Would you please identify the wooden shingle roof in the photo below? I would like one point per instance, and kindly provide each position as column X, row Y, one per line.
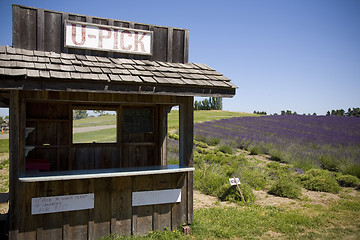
column 39, row 70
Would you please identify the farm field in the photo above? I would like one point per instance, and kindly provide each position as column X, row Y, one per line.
column 110, row 120
column 332, row 143
column 284, row 198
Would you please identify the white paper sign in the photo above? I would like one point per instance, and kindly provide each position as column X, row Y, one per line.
column 107, row 38
column 156, row 197
column 62, row 203
column 232, row 181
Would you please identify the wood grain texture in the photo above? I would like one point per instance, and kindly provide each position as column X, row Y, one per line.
column 51, row 114
column 39, row 29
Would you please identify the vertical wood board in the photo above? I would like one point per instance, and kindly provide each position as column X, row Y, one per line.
column 39, row 29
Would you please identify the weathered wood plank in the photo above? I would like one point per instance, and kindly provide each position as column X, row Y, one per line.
column 178, row 46
column 53, row 222
column 28, row 223
column 142, row 215
column 162, row 212
column 178, row 212
column 78, row 220
column 190, row 197
column 40, row 192
column 52, row 32
column 40, row 29
column 91, row 227
column 186, row 123
column 186, row 46
column 15, row 151
column 121, row 210
column 24, row 29
column 102, row 209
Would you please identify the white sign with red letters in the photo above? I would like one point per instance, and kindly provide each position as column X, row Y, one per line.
column 107, row 38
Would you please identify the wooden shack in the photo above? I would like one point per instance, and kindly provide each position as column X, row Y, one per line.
column 65, row 190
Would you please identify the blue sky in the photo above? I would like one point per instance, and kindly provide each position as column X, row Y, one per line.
column 302, row 56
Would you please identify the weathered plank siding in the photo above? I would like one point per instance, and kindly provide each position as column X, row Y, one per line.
column 50, row 114
column 112, row 213
column 39, row 29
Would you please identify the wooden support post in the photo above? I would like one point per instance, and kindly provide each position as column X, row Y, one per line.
column 186, row 123
column 186, row 144
column 16, row 147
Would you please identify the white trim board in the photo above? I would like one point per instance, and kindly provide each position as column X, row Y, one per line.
column 156, row 197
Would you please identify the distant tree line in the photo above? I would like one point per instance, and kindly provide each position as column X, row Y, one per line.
column 260, row 113
column 213, row 103
column 355, row 112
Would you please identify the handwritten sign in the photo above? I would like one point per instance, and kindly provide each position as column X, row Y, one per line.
column 107, row 38
column 138, row 120
column 62, row 203
column 232, row 181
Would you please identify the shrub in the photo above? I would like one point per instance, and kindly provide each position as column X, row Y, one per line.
column 320, row 180
column 213, row 141
column 328, row 163
column 173, row 136
column 231, row 193
column 200, row 144
column 277, row 170
column 226, row 149
column 254, row 150
column 256, row 177
column 347, row 180
column 275, row 154
column 285, row 187
column 322, row 184
column 352, row 169
column 209, row 179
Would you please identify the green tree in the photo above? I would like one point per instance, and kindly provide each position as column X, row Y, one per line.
column 79, row 114
column 213, row 103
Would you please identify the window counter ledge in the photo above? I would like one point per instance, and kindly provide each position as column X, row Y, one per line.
column 103, row 173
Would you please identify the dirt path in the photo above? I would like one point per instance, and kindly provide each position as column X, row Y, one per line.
column 92, row 128
column 4, row 136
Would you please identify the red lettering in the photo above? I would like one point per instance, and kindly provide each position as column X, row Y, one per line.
column 83, row 32
column 122, row 40
column 139, row 41
column 116, row 33
column 101, row 36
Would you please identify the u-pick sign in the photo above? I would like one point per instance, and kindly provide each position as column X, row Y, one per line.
column 107, row 38
column 232, row 181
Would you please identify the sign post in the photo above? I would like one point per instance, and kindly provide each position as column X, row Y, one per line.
column 235, row 181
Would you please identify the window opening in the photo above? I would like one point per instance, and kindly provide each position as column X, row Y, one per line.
column 94, row 126
column 173, row 136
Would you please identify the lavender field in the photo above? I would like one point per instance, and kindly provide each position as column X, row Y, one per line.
column 331, row 143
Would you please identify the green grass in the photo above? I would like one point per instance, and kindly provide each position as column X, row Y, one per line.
column 203, row 116
column 257, row 222
column 101, row 136
column 173, row 118
column 4, row 145
column 95, row 121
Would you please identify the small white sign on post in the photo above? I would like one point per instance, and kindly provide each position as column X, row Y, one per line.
column 232, row 181
column 62, row 203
